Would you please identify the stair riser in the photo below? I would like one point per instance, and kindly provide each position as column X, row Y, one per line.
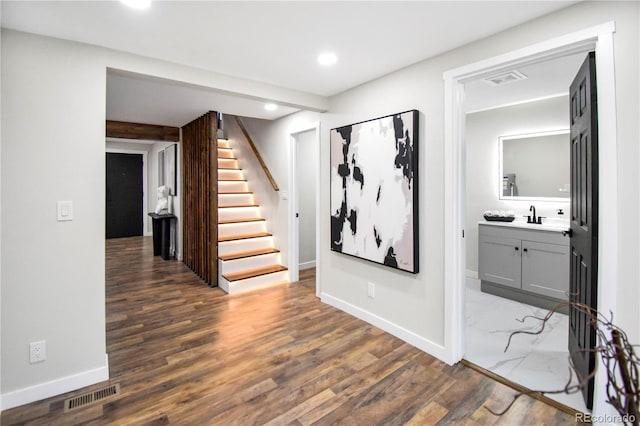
column 223, row 144
column 253, row 283
column 233, row 187
column 225, row 153
column 228, row 266
column 225, row 247
column 224, row 163
column 225, row 229
column 235, row 199
column 230, row 174
column 238, row 213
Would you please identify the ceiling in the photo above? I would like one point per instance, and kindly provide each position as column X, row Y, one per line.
column 141, row 99
column 544, row 79
column 270, row 42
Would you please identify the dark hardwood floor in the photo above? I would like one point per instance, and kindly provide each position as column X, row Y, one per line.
column 184, row 353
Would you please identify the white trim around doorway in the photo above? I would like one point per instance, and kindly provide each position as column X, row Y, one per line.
column 294, row 249
column 600, row 39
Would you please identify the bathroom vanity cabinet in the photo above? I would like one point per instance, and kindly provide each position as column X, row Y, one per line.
column 524, row 262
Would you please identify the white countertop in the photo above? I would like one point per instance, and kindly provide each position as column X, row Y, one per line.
column 548, row 224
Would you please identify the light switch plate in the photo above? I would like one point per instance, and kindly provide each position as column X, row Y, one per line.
column 65, row 210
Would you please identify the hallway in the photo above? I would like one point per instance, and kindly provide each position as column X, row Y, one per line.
column 184, row 353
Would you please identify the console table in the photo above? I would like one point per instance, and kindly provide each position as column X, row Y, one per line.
column 162, row 234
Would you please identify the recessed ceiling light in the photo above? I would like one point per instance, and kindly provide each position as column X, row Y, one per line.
column 270, row 107
column 327, row 59
column 137, row 4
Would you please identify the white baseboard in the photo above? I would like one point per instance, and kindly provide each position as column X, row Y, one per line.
column 307, row 265
column 410, row 337
column 472, row 274
column 54, row 387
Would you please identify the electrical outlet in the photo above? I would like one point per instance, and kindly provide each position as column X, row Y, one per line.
column 37, row 351
column 371, row 290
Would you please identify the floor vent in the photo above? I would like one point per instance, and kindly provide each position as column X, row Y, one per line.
column 91, row 397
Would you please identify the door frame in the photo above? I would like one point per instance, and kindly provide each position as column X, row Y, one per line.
column 294, row 231
column 598, row 38
column 145, row 218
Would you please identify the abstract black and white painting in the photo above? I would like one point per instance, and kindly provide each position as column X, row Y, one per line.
column 374, row 190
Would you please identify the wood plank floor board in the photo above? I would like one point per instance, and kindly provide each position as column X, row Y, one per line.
column 185, row 353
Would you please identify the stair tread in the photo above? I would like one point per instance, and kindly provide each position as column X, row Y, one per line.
column 235, row 192
column 228, row 168
column 226, row 206
column 247, row 253
column 243, row 236
column 232, row 180
column 227, row 158
column 251, row 273
column 246, row 219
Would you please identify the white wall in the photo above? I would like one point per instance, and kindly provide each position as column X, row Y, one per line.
column 412, row 305
column 482, row 132
column 306, row 170
column 53, row 273
column 53, row 149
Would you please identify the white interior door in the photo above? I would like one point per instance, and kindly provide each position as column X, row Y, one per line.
column 306, row 171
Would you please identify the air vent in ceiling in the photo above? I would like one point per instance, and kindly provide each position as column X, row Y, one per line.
column 504, row 78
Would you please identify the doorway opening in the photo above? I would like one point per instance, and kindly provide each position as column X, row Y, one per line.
column 518, row 160
column 304, row 199
column 599, row 39
column 126, row 194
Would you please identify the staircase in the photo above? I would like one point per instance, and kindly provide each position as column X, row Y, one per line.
column 247, row 258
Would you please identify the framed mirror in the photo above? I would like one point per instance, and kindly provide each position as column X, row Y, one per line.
column 535, row 166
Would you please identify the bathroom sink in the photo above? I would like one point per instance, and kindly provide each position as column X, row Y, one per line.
column 548, row 224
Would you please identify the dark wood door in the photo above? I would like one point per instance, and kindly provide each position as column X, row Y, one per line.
column 584, row 220
column 124, row 195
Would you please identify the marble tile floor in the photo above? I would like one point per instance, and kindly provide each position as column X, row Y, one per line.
column 538, row 362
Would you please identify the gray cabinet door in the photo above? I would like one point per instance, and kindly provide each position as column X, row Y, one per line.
column 499, row 260
column 545, row 269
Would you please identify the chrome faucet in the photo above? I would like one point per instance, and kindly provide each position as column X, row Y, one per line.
column 533, row 219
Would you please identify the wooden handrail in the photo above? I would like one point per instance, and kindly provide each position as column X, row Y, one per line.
column 257, row 154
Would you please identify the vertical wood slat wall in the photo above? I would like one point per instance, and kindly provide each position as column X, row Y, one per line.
column 200, row 200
